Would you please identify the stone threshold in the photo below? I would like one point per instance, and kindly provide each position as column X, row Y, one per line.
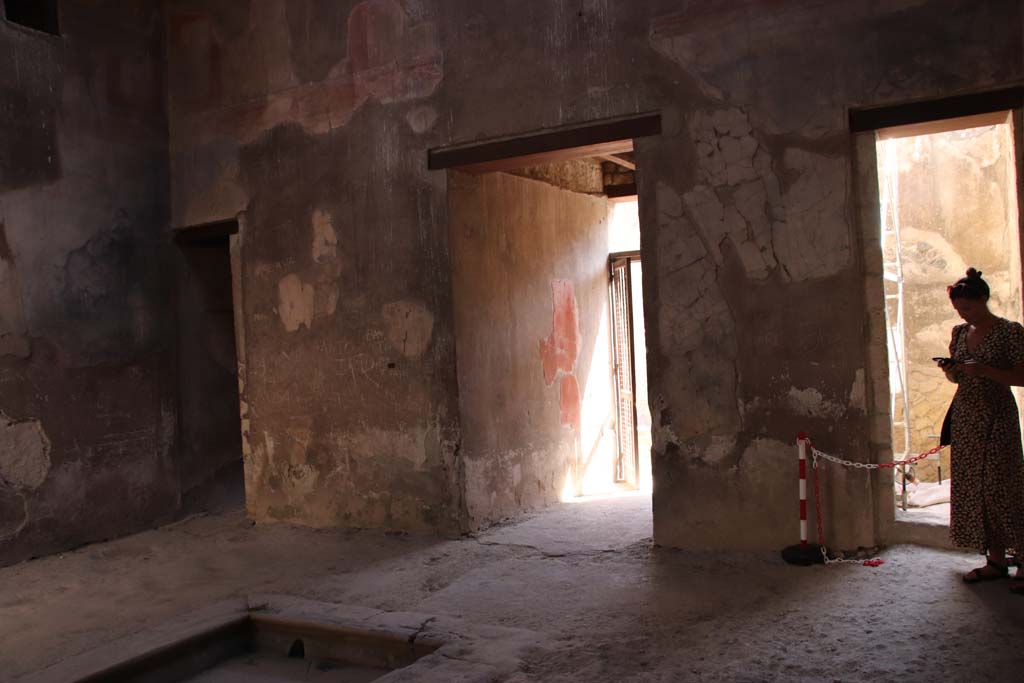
column 924, row 533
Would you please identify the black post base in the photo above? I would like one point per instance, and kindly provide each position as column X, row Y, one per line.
column 802, row 555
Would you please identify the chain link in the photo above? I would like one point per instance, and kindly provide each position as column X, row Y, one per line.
column 871, row 465
column 817, row 512
column 815, row 456
column 817, row 505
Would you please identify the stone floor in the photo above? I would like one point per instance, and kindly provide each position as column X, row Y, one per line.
column 613, row 607
column 256, row 669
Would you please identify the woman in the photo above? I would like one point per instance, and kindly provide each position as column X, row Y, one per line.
column 987, row 477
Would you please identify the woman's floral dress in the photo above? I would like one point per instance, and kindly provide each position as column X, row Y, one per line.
column 987, row 477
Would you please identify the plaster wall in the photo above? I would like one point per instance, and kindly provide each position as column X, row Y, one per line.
column 755, row 213
column 303, row 114
column 88, row 407
column 530, row 283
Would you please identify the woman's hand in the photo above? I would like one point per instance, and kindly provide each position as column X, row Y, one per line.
column 948, row 366
column 974, row 369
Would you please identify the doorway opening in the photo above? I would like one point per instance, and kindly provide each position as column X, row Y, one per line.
column 210, row 436
column 628, row 346
column 550, row 348
column 948, row 201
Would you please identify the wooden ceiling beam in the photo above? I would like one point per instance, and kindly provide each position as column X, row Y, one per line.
column 615, row 159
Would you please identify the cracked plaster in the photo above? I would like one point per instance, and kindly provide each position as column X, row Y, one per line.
column 739, row 201
column 814, row 242
column 696, row 321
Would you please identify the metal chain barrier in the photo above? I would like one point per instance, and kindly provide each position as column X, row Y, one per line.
column 873, row 466
column 820, row 455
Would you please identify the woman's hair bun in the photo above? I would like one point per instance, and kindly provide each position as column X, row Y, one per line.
column 970, row 287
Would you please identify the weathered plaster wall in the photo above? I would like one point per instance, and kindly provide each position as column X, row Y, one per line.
column 957, row 208
column 87, row 400
column 310, row 113
column 304, row 114
column 755, row 307
column 529, row 275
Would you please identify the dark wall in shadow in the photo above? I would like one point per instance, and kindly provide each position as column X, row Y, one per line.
column 211, row 443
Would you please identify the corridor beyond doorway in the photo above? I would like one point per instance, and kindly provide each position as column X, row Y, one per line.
column 542, row 408
column 629, row 349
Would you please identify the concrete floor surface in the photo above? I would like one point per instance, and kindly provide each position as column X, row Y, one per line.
column 263, row 669
column 586, row 574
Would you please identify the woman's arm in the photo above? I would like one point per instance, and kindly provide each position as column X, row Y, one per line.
column 1013, row 377
column 951, row 369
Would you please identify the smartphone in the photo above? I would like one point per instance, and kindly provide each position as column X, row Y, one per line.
column 943, row 361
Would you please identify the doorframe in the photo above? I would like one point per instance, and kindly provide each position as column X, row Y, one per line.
column 574, row 141
column 595, row 137
column 865, row 124
column 632, row 256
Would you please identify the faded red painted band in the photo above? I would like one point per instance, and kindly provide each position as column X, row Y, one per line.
column 803, row 510
column 803, row 469
column 569, row 402
column 562, row 347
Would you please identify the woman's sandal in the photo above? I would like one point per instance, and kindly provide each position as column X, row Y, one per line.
column 990, row 572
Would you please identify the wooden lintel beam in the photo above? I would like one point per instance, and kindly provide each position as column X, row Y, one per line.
column 611, row 136
column 568, row 154
column 956, row 106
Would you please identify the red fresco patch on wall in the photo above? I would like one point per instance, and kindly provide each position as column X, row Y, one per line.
column 569, row 401
column 390, row 58
column 559, row 351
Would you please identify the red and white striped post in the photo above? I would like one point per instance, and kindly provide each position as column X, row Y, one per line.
column 801, row 450
column 802, row 554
